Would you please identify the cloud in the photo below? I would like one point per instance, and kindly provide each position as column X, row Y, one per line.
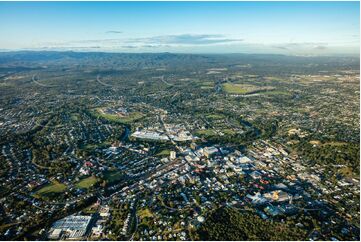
column 69, row 48
column 320, row 47
column 113, row 32
column 155, row 42
column 301, row 46
column 280, row 47
column 129, row 46
column 186, row 39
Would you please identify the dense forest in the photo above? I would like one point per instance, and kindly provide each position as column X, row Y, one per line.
column 229, row 224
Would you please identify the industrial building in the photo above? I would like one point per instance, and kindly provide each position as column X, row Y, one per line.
column 71, row 227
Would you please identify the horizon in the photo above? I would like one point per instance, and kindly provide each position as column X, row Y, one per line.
column 29, row 51
column 287, row 28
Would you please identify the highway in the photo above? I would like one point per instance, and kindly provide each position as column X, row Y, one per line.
column 40, row 84
column 102, row 83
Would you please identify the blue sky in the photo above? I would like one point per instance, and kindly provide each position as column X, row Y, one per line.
column 297, row 28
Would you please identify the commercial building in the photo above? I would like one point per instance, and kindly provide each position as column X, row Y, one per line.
column 71, row 227
column 172, row 155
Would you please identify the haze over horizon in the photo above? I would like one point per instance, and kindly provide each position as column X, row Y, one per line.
column 292, row 28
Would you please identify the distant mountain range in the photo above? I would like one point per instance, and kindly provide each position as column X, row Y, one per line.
column 38, row 59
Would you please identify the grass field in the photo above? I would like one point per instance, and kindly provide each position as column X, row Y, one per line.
column 228, row 131
column 335, row 143
column 90, row 209
column 206, row 132
column 131, row 117
column 145, row 213
column 90, row 147
column 87, row 182
column 235, row 88
column 113, row 176
column 164, row 153
column 54, row 187
column 75, row 117
column 346, row 171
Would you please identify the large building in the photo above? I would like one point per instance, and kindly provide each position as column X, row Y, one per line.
column 71, row 227
column 172, row 155
column 210, row 151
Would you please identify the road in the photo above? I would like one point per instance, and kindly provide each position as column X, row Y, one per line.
column 164, row 81
column 40, row 84
column 102, row 83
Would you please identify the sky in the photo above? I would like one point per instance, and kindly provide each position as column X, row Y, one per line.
column 294, row 28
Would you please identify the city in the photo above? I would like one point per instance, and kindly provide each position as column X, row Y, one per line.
column 133, row 121
column 126, row 162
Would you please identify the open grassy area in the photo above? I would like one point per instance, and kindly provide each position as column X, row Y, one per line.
column 113, row 176
column 228, row 131
column 164, row 153
column 90, row 147
column 50, row 189
column 206, row 132
column 335, row 143
column 144, row 213
column 235, row 88
column 86, row 182
column 347, row 172
column 90, row 209
column 131, row 117
column 75, row 117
